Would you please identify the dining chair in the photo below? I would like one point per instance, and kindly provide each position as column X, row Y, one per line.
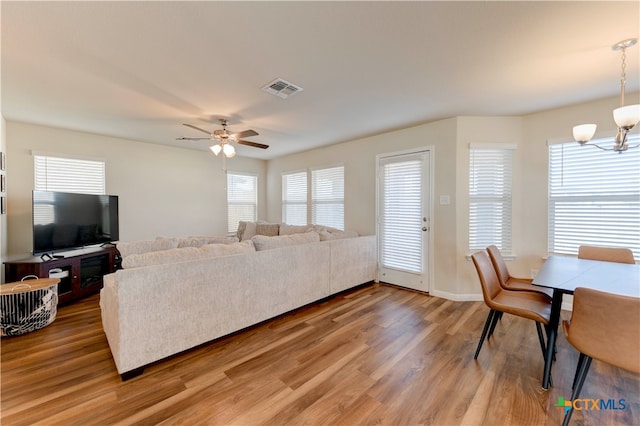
column 603, row 326
column 525, row 304
column 509, row 282
column 608, row 254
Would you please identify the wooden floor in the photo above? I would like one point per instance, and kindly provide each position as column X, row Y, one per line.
column 376, row 355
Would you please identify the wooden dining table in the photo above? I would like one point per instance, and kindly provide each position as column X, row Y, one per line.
column 565, row 274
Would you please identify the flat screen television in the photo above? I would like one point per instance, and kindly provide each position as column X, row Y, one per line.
column 63, row 220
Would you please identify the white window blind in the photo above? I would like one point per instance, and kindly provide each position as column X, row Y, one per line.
column 490, row 203
column 594, row 197
column 327, row 197
column 69, row 175
column 294, row 198
column 242, row 199
column 401, row 222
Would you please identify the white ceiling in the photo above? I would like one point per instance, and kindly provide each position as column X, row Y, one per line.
column 137, row 70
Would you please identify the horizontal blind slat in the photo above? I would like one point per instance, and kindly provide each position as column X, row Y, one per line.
column 594, row 197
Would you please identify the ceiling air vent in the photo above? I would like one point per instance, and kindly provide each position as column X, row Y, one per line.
column 282, row 88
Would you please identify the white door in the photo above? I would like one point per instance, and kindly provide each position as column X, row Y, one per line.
column 404, row 198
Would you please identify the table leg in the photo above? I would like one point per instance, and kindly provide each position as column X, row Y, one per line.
column 554, row 320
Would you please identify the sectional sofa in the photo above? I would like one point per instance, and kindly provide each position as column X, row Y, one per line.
column 173, row 295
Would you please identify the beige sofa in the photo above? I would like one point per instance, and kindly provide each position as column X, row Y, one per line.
column 152, row 312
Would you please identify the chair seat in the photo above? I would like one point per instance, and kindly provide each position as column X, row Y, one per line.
column 525, row 284
column 530, row 305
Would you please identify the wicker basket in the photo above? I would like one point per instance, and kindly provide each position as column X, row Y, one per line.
column 27, row 306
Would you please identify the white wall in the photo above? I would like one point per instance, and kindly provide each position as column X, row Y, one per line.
column 162, row 190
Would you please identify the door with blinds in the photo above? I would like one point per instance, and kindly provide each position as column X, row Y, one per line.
column 404, row 198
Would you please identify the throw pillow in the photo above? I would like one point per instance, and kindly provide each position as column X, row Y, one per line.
column 249, row 231
column 241, row 227
column 268, row 229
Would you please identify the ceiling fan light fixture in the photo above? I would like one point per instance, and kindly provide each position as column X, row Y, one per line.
column 229, row 150
column 216, row 149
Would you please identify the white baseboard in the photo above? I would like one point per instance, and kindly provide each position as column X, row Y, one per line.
column 457, row 297
column 567, row 305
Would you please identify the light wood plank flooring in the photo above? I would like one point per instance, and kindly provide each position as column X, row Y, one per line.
column 374, row 355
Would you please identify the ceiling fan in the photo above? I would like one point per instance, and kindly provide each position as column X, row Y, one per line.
column 224, row 138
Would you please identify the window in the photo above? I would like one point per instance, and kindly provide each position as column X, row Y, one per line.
column 327, row 197
column 294, row 198
column 242, row 199
column 69, row 175
column 490, row 172
column 594, row 197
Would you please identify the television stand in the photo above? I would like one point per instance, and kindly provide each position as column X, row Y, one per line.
column 80, row 271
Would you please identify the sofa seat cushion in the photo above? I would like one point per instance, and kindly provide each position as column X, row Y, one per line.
column 262, row 242
column 186, row 254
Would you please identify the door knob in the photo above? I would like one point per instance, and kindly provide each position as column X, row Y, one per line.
column 424, row 228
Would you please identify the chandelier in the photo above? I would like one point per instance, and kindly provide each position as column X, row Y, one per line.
column 626, row 117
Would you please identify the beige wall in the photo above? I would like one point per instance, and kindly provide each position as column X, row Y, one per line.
column 359, row 159
column 162, row 190
column 172, row 191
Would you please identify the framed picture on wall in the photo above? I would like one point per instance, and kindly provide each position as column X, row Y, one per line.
column 3, row 205
column 2, row 161
column 3, row 183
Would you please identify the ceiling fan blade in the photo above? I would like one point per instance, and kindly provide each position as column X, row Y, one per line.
column 197, row 128
column 192, row 139
column 253, row 144
column 246, row 134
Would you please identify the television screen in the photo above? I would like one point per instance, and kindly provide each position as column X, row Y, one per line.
column 63, row 220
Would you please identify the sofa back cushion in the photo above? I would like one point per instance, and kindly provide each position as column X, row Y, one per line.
column 293, row 229
column 200, row 241
column 185, row 254
column 262, row 242
column 140, row 247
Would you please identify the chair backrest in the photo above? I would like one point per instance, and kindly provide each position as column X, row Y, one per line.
column 606, row 327
column 608, row 254
column 499, row 264
column 488, row 277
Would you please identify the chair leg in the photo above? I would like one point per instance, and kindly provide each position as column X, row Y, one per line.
column 487, row 323
column 581, row 374
column 543, row 346
column 555, row 347
column 496, row 317
column 575, row 378
column 541, row 339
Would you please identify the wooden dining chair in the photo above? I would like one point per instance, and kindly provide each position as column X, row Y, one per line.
column 509, row 282
column 608, row 254
column 603, row 326
column 525, row 304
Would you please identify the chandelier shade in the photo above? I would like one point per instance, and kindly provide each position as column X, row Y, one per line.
column 584, row 132
column 626, row 117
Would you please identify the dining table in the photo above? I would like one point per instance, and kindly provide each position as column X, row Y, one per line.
column 564, row 274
